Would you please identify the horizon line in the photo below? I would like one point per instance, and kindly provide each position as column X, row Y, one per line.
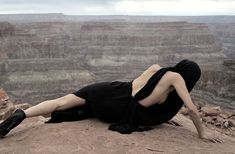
column 109, row 14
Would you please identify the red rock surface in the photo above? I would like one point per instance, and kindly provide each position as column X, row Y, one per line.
column 7, row 107
column 3, row 95
column 216, row 118
column 91, row 136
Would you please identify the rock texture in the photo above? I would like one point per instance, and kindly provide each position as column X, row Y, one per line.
column 216, row 118
column 92, row 137
column 44, row 60
column 7, row 107
column 226, row 34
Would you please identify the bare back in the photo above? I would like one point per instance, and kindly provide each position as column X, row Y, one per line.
column 160, row 91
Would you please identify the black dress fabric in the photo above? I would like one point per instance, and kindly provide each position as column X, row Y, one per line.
column 107, row 101
column 112, row 101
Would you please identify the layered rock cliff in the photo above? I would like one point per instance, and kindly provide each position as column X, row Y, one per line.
column 45, row 60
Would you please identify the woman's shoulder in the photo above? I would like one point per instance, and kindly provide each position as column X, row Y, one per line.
column 154, row 68
column 149, row 72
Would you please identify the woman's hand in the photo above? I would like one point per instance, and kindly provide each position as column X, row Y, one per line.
column 211, row 138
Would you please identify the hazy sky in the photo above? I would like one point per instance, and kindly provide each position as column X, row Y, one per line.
column 120, row 7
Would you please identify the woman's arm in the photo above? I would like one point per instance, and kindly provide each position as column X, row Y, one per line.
column 182, row 91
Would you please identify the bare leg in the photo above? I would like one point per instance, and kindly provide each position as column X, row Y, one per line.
column 48, row 106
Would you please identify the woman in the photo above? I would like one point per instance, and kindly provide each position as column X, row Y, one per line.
column 153, row 98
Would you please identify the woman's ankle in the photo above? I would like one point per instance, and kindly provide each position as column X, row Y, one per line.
column 11, row 122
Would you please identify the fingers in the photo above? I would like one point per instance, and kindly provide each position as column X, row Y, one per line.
column 219, row 140
column 216, row 140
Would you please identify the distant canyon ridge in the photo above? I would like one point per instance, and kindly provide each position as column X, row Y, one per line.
column 45, row 56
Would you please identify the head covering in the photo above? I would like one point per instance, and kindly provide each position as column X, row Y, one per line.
column 189, row 70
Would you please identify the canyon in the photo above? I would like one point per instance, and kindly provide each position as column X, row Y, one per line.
column 53, row 55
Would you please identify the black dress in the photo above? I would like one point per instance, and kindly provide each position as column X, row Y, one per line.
column 108, row 101
column 112, row 101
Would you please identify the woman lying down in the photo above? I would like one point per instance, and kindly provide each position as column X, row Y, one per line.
column 153, row 98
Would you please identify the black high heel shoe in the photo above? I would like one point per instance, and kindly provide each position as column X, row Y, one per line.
column 14, row 120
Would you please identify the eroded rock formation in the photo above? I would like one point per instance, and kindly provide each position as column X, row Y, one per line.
column 46, row 60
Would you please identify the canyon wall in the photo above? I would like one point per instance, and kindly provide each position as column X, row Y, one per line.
column 46, row 60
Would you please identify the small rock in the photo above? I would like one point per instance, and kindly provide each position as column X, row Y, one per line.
column 3, row 95
column 23, row 106
column 231, row 115
column 6, row 110
column 226, row 124
column 231, row 122
column 7, row 113
column 208, row 120
column 220, row 120
column 224, row 116
column 211, row 111
column 218, row 124
column 214, row 118
column 3, row 104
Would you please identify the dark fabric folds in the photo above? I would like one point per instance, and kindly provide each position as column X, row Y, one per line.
column 189, row 70
column 130, row 122
column 72, row 114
